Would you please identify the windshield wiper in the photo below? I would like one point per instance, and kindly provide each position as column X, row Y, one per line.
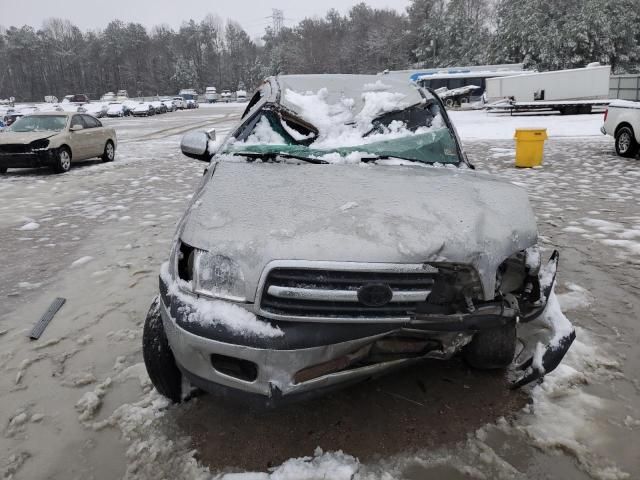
column 391, row 157
column 273, row 155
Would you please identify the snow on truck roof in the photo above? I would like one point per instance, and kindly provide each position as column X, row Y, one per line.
column 337, row 88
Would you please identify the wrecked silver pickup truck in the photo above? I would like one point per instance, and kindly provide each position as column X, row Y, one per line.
column 340, row 232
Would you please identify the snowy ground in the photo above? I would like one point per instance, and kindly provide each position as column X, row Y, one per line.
column 77, row 403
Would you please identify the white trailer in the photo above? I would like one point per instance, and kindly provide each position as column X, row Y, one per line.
column 569, row 91
column 211, row 95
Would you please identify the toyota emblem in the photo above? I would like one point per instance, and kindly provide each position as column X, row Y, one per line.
column 375, row 294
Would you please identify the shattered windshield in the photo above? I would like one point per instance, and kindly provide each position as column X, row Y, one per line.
column 40, row 123
column 383, row 128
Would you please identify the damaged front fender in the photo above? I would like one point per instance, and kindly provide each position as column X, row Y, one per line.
column 545, row 331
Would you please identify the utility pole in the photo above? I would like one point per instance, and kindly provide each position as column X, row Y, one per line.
column 278, row 20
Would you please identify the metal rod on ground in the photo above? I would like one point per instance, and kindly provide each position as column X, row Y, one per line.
column 46, row 317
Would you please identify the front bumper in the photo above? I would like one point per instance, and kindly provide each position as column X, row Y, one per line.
column 309, row 358
column 28, row 160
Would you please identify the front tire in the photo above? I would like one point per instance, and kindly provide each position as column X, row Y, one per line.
column 626, row 145
column 158, row 357
column 62, row 162
column 109, row 152
column 492, row 349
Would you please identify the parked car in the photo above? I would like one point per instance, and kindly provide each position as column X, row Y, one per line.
column 122, row 96
column 159, row 107
column 129, row 106
column 143, row 109
column 417, row 256
column 116, row 109
column 225, row 96
column 108, row 97
column 211, row 95
column 190, row 97
column 622, row 122
column 11, row 118
column 97, row 109
column 56, row 140
column 77, row 98
column 169, row 103
column 180, row 103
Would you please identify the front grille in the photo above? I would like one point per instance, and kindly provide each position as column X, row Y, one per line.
column 332, row 294
column 14, row 148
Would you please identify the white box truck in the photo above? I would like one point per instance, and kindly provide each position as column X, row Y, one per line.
column 569, row 91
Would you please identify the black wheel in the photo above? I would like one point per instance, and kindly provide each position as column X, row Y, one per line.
column 109, row 152
column 449, row 103
column 491, row 349
column 158, row 358
column 626, row 145
column 3, row 170
column 62, row 162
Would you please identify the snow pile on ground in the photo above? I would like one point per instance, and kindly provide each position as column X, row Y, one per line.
column 151, row 454
column 90, row 402
column 29, row 226
column 613, row 234
column 330, row 465
column 564, row 417
column 216, row 312
column 81, row 261
column 576, row 297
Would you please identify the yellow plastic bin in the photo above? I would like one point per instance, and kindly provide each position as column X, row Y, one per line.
column 530, row 146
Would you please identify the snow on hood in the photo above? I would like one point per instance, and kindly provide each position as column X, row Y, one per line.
column 257, row 213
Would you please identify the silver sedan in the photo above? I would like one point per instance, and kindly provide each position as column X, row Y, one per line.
column 56, row 140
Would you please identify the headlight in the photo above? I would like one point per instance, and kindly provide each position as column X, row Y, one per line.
column 217, row 276
column 512, row 273
column 40, row 144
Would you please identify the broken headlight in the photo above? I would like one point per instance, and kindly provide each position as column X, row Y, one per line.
column 217, row 276
column 515, row 270
column 42, row 144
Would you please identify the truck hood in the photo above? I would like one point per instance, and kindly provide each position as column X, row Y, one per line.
column 24, row 138
column 257, row 213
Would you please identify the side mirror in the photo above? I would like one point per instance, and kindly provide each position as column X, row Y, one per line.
column 76, row 127
column 195, row 145
column 212, row 134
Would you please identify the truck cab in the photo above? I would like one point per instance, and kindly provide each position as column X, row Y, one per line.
column 622, row 122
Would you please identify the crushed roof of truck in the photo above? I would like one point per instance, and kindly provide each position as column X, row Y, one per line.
column 352, row 87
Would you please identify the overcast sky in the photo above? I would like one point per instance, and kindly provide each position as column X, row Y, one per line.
column 93, row 14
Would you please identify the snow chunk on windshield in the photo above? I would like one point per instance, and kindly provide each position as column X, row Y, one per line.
column 339, row 126
column 264, row 134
